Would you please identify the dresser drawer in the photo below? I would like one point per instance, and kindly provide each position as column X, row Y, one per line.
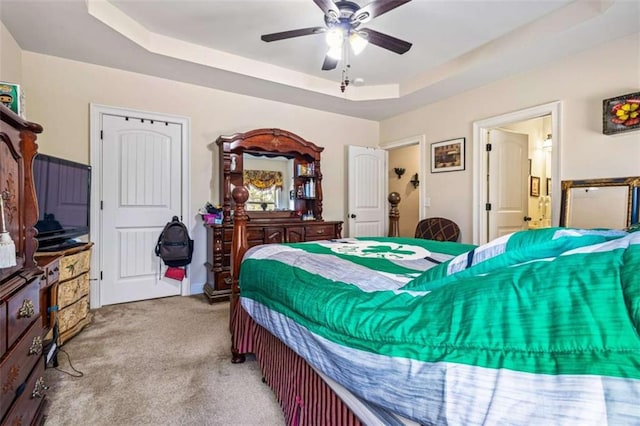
column 73, row 314
column 16, row 367
column 23, row 309
column 28, row 405
column 319, row 232
column 72, row 290
column 74, row 265
column 253, row 233
column 52, row 272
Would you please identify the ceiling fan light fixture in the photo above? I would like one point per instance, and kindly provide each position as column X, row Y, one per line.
column 335, row 38
column 357, row 42
column 335, row 53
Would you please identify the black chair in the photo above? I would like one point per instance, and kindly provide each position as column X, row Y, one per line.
column 438, row 229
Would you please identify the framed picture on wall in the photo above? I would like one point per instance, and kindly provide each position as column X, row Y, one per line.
column 621, row 114
column 534, row 190
column 447, row 156
column 548, row 186
column 10, row 96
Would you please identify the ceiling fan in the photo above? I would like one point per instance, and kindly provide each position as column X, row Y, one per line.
column 343, row 19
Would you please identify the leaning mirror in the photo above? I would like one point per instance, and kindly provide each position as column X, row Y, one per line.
column 600, row 203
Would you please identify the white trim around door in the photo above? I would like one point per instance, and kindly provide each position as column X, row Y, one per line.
column 480, row 169
column 97, row 112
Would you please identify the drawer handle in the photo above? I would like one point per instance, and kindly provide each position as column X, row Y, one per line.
column 320, row 231
column 51, row 273
column 27, row 309
column 227, row 281
column 36, row 346
column 39, row 388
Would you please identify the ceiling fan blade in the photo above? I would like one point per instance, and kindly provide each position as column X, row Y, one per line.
column 375, row 8
column 385, row 41
column 293, row 33
column 329, row 63
column 329, row 8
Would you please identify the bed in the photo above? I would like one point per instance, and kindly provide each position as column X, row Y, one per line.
column 536, row 327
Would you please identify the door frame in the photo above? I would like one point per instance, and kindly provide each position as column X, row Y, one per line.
column 480, row 170
column 95, row 159
column 421, row 141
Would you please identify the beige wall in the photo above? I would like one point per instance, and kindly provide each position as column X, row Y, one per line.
column 60, row 91
column 407, row 157
column 10, row 57
column 581, row 82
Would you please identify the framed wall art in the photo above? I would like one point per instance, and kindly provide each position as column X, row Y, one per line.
column 621, row 114
column 447, row 156
column 534, row 189
column 10, row 96
column 548, row 186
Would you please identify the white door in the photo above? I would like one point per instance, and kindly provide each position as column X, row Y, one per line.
column 367, row 191
column 508, row 182
column 141, row 191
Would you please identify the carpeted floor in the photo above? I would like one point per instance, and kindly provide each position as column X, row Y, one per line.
column 158, row 362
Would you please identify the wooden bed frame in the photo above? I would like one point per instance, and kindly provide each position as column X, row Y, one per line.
column 304, row 396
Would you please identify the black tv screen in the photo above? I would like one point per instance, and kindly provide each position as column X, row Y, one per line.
column 63, row 193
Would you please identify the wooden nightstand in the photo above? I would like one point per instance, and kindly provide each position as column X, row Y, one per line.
column 71, row 291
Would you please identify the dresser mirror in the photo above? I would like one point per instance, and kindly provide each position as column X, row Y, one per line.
column 278, row 161
column 600, row 203
column 281, row 171
column 269, row 180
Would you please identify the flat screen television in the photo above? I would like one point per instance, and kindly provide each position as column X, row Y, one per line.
column 63, row 192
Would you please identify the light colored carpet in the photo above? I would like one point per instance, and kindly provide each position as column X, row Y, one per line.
column 158, row 362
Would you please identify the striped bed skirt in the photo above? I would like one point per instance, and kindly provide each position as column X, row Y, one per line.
column 305, row 398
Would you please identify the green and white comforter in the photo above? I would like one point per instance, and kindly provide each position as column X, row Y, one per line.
column 538, row 327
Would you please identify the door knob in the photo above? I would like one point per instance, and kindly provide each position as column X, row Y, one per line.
column 352, row 216
column 527, row 218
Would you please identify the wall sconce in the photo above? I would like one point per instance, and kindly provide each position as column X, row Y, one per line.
column 548, row 142
column 399, row 171
column 414, row 181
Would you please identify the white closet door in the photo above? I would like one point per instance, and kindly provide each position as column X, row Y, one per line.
column 141, row 191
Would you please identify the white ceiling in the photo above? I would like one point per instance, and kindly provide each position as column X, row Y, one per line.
column 457, row 45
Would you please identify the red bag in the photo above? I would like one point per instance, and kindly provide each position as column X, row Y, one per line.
column 175, row 273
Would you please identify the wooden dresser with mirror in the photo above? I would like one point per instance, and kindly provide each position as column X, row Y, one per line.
column 283, row 174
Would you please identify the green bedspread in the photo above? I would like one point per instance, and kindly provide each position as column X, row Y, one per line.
column 534, row 327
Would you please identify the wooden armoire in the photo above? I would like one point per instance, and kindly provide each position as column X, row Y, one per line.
column 23, row 292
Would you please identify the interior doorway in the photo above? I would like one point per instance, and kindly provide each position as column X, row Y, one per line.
column 541, row 126
column 407, row 163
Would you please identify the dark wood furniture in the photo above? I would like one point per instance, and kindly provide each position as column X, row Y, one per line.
column 48, row 288
column 22, row 326
column 438, row 229
column 265, row 227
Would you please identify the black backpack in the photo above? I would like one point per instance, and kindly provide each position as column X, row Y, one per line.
column 174, row 246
